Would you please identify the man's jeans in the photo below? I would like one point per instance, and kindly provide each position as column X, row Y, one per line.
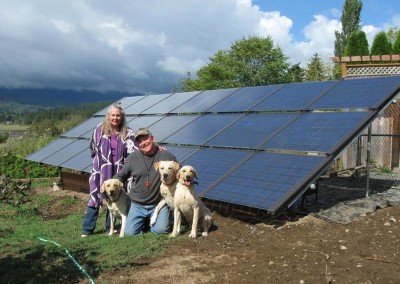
column 139, row 215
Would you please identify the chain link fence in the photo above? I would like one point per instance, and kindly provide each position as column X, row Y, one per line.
column 384, row 153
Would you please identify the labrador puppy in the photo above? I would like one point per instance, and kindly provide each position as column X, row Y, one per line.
column 168, row 171
column 118, row 203
column 189, row 204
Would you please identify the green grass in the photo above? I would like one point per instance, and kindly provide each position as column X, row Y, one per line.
column 25, row 258
column 14, row 127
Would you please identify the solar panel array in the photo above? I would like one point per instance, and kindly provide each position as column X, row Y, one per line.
column 259, row 147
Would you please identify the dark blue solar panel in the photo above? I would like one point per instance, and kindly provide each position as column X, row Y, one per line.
column 125, row 102
column 368, row 93
column 202, row 129
column 49, row 149
column 79, row 162
column 212, row 164
column 88, row 126
column 295, row 96
column 319, row 131
column 181, row 152
column 67, row 152
column 267, row 180
column 145, row 103
column 169, row 125
column 204, row 101
column 251, row 130
column 244, row 99
column 143, row 121
column 170, row 103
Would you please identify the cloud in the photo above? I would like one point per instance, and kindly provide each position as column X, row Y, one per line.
column 136, row 46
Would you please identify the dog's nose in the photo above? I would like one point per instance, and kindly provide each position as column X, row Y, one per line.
column 188, row 177
column 165, row 175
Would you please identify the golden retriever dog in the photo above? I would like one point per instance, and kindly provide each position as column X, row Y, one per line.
column 168, row 171
column 189, row 204
column 118, row 203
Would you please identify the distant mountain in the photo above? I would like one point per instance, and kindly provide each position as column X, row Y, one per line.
column 56, row 98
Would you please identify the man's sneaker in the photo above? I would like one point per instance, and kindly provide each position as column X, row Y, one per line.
column 85, row 234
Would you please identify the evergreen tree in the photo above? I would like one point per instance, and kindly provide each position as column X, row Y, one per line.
column 357, row 44
column 317, row 70
column 296, row 73
column 381, row 44
column 350, row 19
column 396, row 46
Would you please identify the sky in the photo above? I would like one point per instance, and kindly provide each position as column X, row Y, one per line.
column 148, row 46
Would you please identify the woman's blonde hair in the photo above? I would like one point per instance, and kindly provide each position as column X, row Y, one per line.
column 107, row 129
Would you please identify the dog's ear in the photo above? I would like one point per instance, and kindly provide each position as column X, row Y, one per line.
column 176, row 166
column 103, row 187
column 121, row 184
column 195, row 174
column 156, row 165
column 178, row 174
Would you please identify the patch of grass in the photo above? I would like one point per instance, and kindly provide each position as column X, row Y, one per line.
column 25, row 258
column 69, row 201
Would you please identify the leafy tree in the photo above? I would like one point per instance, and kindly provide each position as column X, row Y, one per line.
column 296, row 73
column 396, row 45
column 381, row 44
column 350, row 19
column 357, row 44
column 249, row 62
column 317, row 69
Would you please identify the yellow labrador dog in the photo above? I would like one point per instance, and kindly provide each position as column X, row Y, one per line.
column 118, row 203
column 188, row 204
column 168, row 171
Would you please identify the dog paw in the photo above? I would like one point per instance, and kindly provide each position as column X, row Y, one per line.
column 204, row 234
column 152, row 221
column 173, row 235
column 193, row 235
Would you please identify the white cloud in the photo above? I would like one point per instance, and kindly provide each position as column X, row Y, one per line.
column 138, row 46
column 320, row 38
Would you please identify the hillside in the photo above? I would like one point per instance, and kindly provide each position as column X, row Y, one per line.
column 56, row 98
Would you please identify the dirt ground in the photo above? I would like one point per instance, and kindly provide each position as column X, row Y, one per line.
column 290, row 248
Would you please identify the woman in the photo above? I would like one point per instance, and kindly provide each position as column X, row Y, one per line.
column 112, row 141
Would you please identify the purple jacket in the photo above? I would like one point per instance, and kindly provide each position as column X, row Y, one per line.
column 102, row 167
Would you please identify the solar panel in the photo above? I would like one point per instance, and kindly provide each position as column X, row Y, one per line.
column 211, row 164
column 143, row 121
column 203, row 101
column 318, row 131
column 67, row 152
column 49, row 149
column 145, row 103
column 181, row 153
column 170, row 103
column 124, row 102
column 80, row 162
column 250, row 146
column 169, row 125
column 87, row 126
column 251, row 130
column 267, row 180
column 294, row 96
column 244, row 99
column 366, row 93
column 202, row 129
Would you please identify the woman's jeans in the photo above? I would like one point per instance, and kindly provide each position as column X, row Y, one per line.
column 139, row 216
column 89, row 223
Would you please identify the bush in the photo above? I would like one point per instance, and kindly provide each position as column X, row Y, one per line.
column 16, row 167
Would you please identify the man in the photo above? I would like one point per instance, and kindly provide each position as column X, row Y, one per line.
column 145, row 185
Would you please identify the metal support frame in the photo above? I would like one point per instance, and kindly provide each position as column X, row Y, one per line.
column 368, row 160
